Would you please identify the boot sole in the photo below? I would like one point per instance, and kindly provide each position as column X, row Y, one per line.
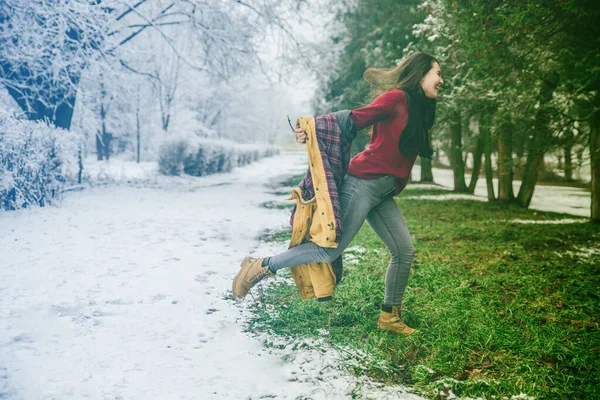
column 415, row 332
column 238, row 299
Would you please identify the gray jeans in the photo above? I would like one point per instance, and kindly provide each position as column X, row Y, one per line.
column 360, row 200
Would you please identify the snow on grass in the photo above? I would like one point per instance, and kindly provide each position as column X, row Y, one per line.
column 314, row 362
column 356, row 249
column 425, row 186
column 353, row 254
column 569, row 200
column 548, row 221
column 350, row 258
column 445, row 197
column 585, row 253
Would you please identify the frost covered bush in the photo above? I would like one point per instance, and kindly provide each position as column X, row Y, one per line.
column 208, row 157
column 32, row 157
column 171, row 157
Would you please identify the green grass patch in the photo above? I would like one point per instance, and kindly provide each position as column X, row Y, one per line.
column 278, row 205
column 279, row 236
column 503, row 307
column 292, row 181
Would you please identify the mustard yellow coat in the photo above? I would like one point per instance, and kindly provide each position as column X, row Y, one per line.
column 314, row 221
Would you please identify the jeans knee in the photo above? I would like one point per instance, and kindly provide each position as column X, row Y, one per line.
column 329, row 255
column 405, row 255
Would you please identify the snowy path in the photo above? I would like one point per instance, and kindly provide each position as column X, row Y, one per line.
column 119, row 294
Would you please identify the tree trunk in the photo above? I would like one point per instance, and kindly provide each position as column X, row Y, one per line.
column 165, row 122
column 538, row 145
column 567, row 147
column 505, row 173
column 99, row 147
column 458, row 167
column 476, row 164
column 106, row 139
column 80, row 164
column 533, row 164
column 487, row 151
column 426, row 170
column 103, row 138
column 137, row 134
column 568, row 166
column 595, row 161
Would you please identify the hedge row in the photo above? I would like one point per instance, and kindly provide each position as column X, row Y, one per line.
column 208, row 157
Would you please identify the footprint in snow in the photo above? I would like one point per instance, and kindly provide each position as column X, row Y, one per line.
column 157, row 297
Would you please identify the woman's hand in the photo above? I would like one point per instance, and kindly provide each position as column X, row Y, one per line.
column 300, row 136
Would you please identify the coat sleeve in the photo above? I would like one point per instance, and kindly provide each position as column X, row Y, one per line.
column 347, row 125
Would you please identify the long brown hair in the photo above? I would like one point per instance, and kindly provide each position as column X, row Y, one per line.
column 421, row 110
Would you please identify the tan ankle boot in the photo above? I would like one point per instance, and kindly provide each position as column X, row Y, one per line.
column 251, row 272
column 390, row 320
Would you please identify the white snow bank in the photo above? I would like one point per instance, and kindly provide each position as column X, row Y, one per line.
column 116, row 170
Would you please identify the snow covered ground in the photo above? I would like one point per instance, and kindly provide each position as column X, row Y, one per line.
column 120, row 293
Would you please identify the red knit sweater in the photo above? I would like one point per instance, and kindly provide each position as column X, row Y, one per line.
column 388, row 114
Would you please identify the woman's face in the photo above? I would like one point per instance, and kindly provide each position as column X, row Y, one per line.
column 432, row 81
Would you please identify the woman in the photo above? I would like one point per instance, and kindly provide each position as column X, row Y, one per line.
column 401, row 118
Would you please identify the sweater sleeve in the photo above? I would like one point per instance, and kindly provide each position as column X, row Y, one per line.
column 384, row 106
